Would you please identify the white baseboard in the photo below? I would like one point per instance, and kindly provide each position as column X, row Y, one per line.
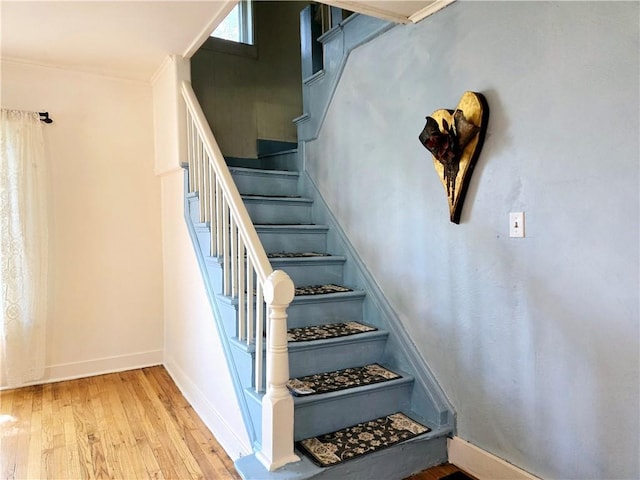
column 97, row 366
column 482, row 464
column 233, row 445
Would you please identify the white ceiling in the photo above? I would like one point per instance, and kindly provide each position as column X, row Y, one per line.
column 396, row 10
column 122, row 38
column 131, row 39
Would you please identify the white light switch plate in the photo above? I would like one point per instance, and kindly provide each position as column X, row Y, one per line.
column 516, row 224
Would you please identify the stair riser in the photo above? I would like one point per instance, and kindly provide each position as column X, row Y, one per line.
column 244, row 362
column 394, row 463
column 278, row 213
column 214, row 272
column 276, row 242
column 194, row 209
column 281, row 161
column 320, row 312
column 314, row 274
column 204, row 239
column 308, row 361
column 265, row 184
column 317, row 418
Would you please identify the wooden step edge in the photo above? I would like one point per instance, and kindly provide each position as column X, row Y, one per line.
column 436, row 431
column 353, row 339
column 263, row 172
column 320, row 259
column 354, row 391
column 279, row 153
column 329, row 297
column 293, row 227
column 275, row 199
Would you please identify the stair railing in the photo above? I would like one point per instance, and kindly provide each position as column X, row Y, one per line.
column 248, row 278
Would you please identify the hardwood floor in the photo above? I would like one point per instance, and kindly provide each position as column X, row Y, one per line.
column 128, row 425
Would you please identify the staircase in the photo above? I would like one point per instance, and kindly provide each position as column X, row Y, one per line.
column 334, row 329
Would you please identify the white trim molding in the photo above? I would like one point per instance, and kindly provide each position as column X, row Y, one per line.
column 429, row 10
column 95, row 366
column 482, row 464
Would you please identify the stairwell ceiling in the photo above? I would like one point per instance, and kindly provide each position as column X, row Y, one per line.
column 122, row 38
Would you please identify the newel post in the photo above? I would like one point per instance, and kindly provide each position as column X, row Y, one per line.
column 277, row 404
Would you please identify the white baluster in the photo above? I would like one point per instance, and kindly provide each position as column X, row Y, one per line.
column 190, row 135
column 250, row 305
column 213, row 211
column 242, row 287
column 226, row 263
column 205, row 186
column 234, row 258
column 259, row 336
column 201, row 180
column 219, row 221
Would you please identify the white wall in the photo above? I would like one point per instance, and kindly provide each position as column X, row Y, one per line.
column 105, row 238
column 534, row 340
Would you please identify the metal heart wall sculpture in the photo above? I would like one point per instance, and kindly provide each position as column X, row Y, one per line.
column 455, row 138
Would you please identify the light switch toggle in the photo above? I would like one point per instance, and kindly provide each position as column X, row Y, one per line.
column 516, row 224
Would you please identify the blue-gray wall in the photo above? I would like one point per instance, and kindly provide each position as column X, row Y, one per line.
column 534, row 340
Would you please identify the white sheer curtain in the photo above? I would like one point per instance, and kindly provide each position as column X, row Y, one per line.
column 23, row 247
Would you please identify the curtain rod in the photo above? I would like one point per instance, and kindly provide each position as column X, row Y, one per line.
column 44, row 117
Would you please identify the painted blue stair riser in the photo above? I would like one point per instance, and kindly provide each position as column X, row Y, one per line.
column 257, row 182
column 297, row 239
column 319, row 414
column 345, row 352
column 322, row 309
column 312, row 271
column 270, row 211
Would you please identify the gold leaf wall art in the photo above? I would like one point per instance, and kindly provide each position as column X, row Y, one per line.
column 455, row 138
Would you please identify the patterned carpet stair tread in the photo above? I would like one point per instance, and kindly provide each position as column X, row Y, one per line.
column 254, row 195
column 367, row 437
column 323, row 332
column 321, row 289
column 340, row 379
column 296, row 254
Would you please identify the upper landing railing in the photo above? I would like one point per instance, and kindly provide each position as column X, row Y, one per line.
column 248, row 278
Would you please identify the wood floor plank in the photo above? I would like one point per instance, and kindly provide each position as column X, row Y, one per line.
column 161, row 430
column 9, row 435
column 24, row 417
column 174, row 437
column 207, row 456
column 34, row 460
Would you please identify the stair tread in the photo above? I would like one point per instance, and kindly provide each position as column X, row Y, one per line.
column 328, row 297
column 276, row 198
column 326, row 289
column 366, row 437
column 284, row 226
column 280, row 152
column 328, row 331
column 297, row 255
column 260, row 195
column 262, row 171
column 343, row 379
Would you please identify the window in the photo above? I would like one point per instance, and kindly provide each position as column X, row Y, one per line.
column 238, row 25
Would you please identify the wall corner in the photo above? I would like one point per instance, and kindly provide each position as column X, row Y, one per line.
column 169, row 126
